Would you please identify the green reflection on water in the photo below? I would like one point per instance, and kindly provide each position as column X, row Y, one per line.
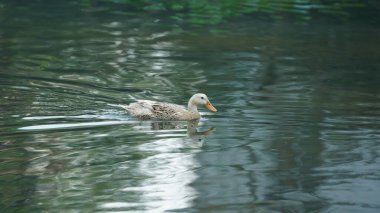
column 215, row 12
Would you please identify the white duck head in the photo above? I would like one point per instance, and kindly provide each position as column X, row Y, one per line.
column 200, row 99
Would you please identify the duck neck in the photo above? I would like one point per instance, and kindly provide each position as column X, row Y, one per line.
column 191, row 106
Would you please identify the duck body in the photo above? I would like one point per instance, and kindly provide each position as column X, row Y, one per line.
column 154, row 110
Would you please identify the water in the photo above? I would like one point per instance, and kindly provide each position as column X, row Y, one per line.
column 297, row 128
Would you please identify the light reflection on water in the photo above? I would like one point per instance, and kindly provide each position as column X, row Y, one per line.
column 297, row 128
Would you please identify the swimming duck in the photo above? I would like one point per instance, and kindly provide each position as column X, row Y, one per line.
column 153, row 110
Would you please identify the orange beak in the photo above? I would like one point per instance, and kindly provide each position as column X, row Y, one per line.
column 210, row 107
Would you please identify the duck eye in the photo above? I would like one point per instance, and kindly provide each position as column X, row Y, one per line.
column 202, row 98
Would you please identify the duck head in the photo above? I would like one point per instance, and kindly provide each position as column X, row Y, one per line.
column 200, row 99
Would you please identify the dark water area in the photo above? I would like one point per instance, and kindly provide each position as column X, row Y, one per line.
column 297, row 127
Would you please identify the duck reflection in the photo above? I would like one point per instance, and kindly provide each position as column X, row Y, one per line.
column 193, row 134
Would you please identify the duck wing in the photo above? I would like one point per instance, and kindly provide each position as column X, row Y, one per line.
column 145, row 109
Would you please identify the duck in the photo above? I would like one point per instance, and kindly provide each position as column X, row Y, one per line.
column 155, row 110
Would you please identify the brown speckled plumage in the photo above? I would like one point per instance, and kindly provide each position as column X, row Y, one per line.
column 154, row 110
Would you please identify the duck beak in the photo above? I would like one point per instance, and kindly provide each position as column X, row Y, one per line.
column 210, row 107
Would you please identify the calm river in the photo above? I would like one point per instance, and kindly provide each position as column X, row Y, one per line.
column 297, row 127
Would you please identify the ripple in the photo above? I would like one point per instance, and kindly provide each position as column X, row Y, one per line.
column 117, row 205
column 72, row 125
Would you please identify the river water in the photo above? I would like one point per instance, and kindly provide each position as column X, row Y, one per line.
column 297, row 127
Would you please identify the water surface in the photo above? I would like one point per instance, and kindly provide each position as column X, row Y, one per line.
column 297, row 128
